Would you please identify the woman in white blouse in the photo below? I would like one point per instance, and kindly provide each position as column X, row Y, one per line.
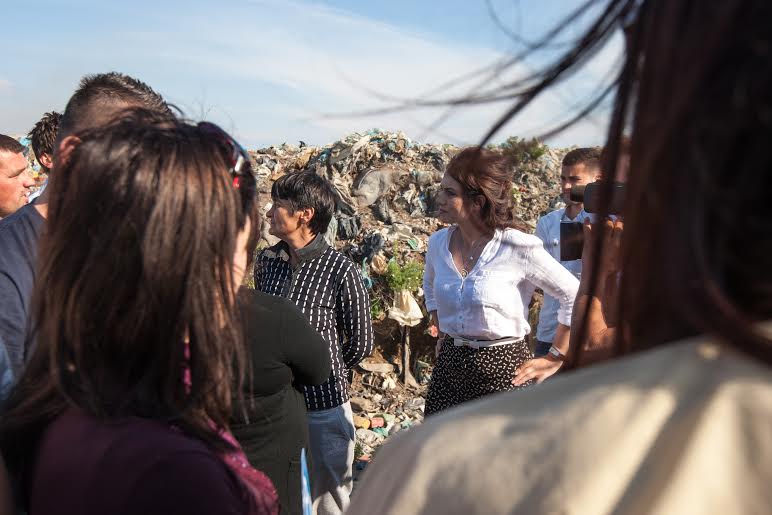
column 480, row 275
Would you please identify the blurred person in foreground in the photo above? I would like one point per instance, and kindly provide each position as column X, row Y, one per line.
column 98, row 99
column 579, row 167
column 479, row 278
column 15, row 180
column 125, row 403
column 679, row 422
column 43, row 139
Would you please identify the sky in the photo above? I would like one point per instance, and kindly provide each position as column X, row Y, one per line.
column 273, row 71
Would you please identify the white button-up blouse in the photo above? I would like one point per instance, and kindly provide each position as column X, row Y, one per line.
column 491, row 302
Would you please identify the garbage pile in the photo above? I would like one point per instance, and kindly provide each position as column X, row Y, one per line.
column 35, row 171
column 382, row 406
column 387, row 182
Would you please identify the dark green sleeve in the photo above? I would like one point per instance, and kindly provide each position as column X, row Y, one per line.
column 305, row 351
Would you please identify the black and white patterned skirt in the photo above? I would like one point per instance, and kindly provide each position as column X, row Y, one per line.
column 464, row 373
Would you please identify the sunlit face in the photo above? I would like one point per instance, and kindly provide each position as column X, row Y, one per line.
column 453, row 206
column 284, row 222
column 15, row 182
column 575, row 175
column 240, row 258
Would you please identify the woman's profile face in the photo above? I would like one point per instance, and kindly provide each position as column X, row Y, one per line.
column 453, row 206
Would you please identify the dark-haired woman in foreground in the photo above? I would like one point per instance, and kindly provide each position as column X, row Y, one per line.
column 681, row 423
column 124, row 406
column 479, row 278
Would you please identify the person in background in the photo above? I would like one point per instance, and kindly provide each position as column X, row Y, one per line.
column 98, row 99
column 679, row 422
column 579, row 167
column 15, row 180
column 479, row 277
column 270, row 422
column 124, row 406
column 43, row 138
column 328, row 289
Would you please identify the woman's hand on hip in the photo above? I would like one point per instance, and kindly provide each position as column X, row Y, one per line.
column 537, row 369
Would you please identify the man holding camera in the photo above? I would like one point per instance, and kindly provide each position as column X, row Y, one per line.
column 579, row 167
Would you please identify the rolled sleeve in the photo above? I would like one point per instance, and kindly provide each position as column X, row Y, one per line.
column 548, row 274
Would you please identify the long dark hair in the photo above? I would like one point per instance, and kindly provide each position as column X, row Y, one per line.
column 695, row 95
column 136, row 258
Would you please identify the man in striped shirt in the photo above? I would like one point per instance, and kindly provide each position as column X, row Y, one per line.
column 329, row 290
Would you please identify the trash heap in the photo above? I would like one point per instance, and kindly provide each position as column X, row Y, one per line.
column 388, row 183
column 34, row 167
column 382, row 407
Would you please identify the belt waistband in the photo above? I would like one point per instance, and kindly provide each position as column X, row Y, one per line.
column 459, row 341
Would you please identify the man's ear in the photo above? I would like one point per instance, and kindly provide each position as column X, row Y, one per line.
column 66, row 146
column 46, row 160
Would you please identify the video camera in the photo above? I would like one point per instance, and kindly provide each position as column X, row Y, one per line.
column 592, row 195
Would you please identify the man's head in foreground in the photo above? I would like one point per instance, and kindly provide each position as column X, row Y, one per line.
column 100, row 99
column 15, row 180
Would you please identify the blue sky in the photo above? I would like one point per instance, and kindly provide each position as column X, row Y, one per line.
column 284, row 70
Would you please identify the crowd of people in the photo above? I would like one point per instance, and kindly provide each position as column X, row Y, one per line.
column 139, row 376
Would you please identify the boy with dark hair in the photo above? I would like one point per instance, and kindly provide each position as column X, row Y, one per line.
column 98, row 100
column 580, row 166
column 328, row 289
column 43, row 137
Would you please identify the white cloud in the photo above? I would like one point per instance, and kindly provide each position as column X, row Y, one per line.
column 270, row 70
column 5, row 85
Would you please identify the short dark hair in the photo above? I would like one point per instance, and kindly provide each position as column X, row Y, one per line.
column 43, row 134
column 93, row 103
column 587, row 156
column 483, row 172
column 304, row 190
column 8, row 144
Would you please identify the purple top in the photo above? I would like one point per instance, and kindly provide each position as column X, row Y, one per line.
column 129, row 466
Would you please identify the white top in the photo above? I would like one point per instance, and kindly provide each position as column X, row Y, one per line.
column 492, row 301
column 548, row 231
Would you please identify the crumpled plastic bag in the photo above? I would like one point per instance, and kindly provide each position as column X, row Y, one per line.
column 405, row 309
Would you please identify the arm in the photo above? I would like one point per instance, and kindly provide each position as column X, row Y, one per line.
column 429, row 299
column 355, row 327
column 598, row 304
column 549, row 275
column 13, row 323
column 305, row 351
column 541, row 231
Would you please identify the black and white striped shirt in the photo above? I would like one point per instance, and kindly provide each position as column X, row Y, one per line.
column 328, row 289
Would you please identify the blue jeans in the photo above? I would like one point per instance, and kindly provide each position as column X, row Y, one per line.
column 541, row 348
column 331, row 440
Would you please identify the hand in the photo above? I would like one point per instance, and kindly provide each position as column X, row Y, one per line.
column 610, row 246
column 538, row 369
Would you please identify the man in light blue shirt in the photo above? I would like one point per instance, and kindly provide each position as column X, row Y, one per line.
column 579, row 166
